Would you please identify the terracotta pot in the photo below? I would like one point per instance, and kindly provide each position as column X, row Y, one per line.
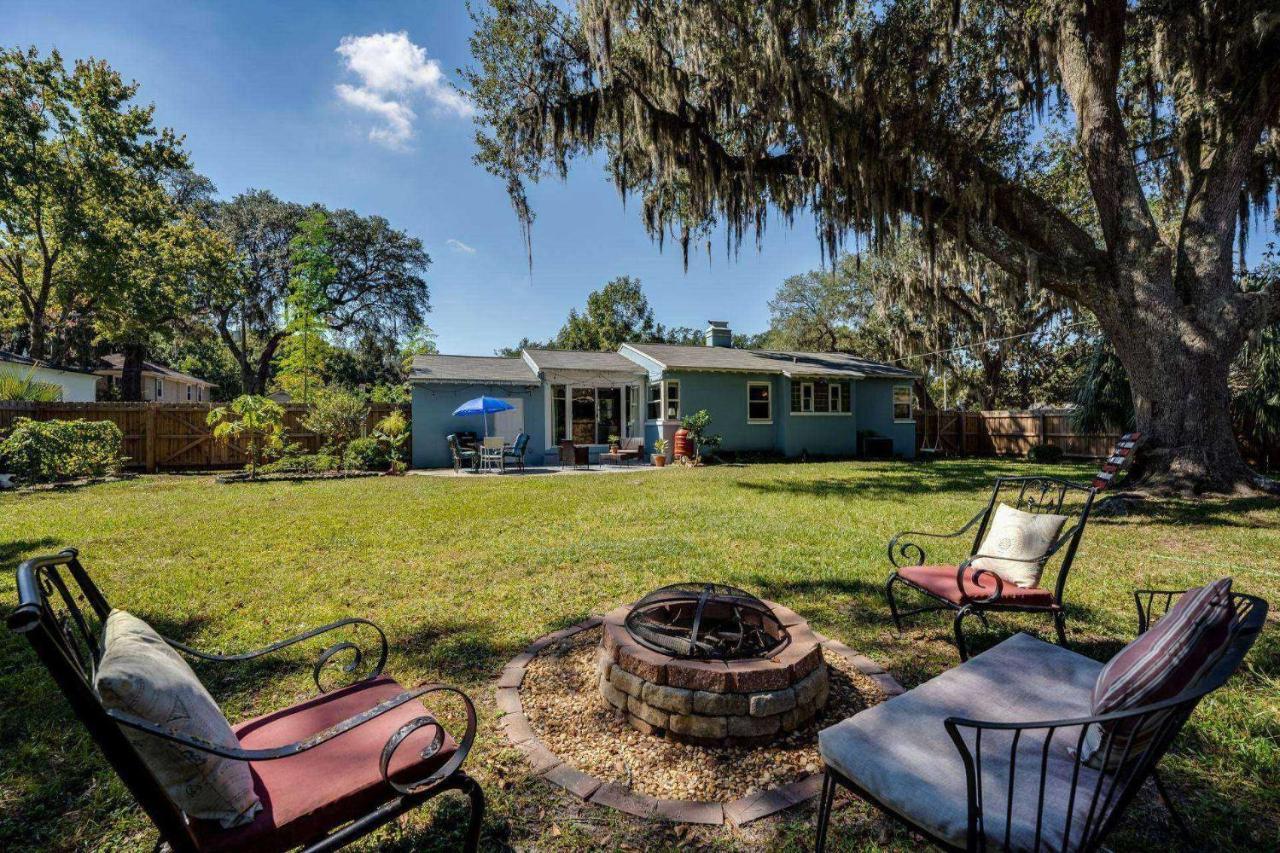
column 659, row 460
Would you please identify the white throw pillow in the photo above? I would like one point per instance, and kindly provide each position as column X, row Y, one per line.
column 1021, row 536
column 142, row 675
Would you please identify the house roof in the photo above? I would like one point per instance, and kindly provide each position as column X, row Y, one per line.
column 789, row 363
column 832, row 364
column 14, row 358
column 679, row 357
column 470, row 369
column 556, row 359
column 113, row 365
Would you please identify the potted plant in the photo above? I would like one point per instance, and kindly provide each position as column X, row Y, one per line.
column 613, row 443
column 659, row 452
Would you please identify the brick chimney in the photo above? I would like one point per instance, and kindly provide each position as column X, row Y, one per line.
column 718, row 334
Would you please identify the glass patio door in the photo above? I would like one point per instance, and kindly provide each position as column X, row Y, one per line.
column 608, row 414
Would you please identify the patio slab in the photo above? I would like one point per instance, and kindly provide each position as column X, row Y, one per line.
column 535, row 471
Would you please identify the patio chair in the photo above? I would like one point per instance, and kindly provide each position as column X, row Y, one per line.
column 326, row 771
column 493, row 453
column 990, row 755
column 572, row 454
column 964, row 589
column 631, row 449
column 517, row 450
column 461, row 455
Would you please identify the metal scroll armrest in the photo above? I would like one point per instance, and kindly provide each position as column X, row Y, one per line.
column 901, row 547
column 346, row 646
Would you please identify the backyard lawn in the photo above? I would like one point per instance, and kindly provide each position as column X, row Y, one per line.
column 463, row 573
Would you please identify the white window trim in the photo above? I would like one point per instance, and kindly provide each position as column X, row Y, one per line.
column 893, row 405
column 814, row 413
column 768, row 386
column 648, row 401
column 808, row 386
column 835, row 389
column 627, row 426
column 666, row 399
column 159, row 389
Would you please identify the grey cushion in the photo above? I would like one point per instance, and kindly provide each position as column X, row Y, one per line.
column 900, row 753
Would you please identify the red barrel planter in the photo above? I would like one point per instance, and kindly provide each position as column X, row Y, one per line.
column 682, row 445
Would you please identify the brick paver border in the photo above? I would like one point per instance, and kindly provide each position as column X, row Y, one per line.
column 548, row 765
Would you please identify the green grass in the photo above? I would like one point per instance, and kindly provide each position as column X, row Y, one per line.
column 462, row 574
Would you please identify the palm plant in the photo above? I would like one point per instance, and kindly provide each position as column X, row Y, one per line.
column 1104, row 402
column 259, row 421
column 15, row 388
column 1255, row 398
column 393, row 431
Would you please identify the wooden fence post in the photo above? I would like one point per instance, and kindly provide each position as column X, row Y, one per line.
column 149, row 440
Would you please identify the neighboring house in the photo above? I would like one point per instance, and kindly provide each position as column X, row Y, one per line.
column 792, row 403
column 78, row 386
column 159, row 383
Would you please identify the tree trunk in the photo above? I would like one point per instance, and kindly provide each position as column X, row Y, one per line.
column 992, row 375
column 131, row 373
column 1178, row 375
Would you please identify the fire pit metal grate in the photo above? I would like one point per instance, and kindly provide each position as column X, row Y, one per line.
column 706, row 621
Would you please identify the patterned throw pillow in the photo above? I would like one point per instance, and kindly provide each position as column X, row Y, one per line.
column 1018, row 536
column 1163, row 662
column 142, row 675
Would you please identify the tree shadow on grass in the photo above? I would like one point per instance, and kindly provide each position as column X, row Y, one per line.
column 12, row 552
column 1223, row 512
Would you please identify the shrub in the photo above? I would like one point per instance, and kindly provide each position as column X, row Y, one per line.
column 337, row 417
column 367, row 454
column 53, row 451
column 303, row 463
column 1045, row 453
column 697, row 425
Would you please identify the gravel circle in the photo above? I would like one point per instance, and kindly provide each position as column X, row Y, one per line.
column 562, row 701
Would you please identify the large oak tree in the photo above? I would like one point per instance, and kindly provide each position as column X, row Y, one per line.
column 377, row 287
column 875, row 114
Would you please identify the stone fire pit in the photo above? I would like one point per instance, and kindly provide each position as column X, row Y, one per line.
column 692, row 693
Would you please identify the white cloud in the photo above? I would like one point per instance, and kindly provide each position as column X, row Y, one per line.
column 459, row 246
column 393, row 71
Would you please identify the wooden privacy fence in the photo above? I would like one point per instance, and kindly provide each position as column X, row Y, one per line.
column 1007, row 433
column 168, row 436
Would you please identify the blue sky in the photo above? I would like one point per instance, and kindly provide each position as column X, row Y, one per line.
column 266, row 100
column 254, row 87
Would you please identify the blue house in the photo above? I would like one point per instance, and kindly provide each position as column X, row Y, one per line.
column 792, row 403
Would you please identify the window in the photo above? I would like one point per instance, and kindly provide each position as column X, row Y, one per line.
column 836, row 395
column 628, row 409
column 159, row 388
column 672, row 406
column 188, row 393
column 902, row 403
column 558, row 427
column 806, row 396
column 759, row 408
column 655, row 402
column 199, row 394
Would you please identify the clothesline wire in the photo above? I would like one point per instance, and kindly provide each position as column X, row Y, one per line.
column 984, row 341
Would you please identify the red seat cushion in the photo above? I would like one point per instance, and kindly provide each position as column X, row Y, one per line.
column 309, row 794
column 941, row 581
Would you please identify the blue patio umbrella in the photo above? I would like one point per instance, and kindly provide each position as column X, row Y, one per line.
column 483, row 406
